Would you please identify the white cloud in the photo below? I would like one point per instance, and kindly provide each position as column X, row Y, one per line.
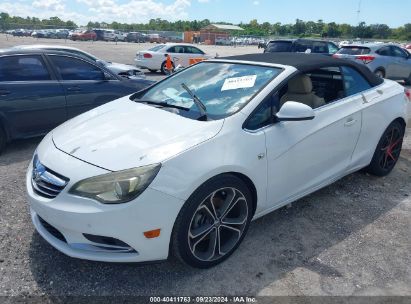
column 256, row 2
column 53, row 5
column 132, row 11
column 87, row 2
column 136, row 11
column 24, row 10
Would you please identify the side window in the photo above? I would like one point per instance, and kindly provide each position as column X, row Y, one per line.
column 76, row 69
column 302, row 46
column 354, row 82
column 397, row 52
column 176, row 49
column 23, row 68
column 332, row 48
column 193, row 50
column 319, row 47
column 84, row 55
column 384, row 51
column 77, row 53
column 327, row 85
column 262, row 116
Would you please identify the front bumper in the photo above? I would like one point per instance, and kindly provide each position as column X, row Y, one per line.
column 75, row 218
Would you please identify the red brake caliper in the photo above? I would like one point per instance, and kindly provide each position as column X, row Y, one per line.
column 391, row 147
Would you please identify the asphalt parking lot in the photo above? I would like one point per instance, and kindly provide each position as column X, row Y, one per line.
column 351, row 238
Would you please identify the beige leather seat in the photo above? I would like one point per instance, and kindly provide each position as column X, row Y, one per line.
column 300, row 90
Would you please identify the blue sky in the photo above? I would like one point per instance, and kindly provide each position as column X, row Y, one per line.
column 391, row 12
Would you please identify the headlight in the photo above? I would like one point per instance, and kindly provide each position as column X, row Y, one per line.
column 117, row 187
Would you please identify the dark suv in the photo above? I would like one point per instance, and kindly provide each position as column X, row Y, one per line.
column 301, row 46
column 137, row 37
column 40, row 89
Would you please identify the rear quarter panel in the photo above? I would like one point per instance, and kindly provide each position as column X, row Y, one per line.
column 377, row 115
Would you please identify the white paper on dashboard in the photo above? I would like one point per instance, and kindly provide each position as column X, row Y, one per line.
column 239, row 82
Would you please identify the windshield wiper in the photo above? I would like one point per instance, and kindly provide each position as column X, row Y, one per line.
column 162, row 104
column 200, row 105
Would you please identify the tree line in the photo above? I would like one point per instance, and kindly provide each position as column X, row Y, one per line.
column 299, row 29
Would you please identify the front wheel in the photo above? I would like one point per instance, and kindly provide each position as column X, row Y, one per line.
column 388, row 150
column 213, row 222
column 164, row 69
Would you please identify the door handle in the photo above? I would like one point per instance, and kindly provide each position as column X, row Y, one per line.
column 4, row 92
column 74, row 89
column 350, row 122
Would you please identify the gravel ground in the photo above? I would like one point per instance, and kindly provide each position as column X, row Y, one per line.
column 351, row 238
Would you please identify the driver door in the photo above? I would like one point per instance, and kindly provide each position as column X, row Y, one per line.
column 302, row 156
column 85, row 85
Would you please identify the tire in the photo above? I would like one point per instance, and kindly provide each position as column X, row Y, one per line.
column 164, row 70
column 379, row 73
column 408, row 80
column 3, row 140
column 220, row 212
column 388, row 150
column 152, row 71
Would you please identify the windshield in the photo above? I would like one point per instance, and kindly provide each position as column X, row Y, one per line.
column 156, row 48
column 223, row 88
column 354, row 50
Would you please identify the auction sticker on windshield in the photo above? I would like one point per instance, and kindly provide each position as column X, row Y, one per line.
column 239, row 82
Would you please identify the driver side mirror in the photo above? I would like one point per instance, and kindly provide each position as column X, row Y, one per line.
column 295, row 111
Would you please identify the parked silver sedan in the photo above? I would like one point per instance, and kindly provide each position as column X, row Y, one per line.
column 385, row 60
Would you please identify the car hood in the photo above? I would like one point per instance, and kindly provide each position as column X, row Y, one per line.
column 119, row 67
column 124, row 134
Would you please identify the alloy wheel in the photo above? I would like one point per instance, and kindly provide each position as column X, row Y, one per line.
column 391, row 148
column 218, row 224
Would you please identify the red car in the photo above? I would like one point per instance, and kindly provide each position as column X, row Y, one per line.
column 85, row 35
column 408, row 46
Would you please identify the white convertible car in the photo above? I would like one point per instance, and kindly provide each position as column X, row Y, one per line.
column 184, row 166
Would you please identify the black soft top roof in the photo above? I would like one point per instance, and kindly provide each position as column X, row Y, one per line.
column 307, row 62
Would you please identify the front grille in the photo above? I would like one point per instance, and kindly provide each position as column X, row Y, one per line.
column 46, row 182
column 53, row 231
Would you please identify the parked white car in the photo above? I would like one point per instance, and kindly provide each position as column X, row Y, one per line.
column 120, row 69
column 154, row 59
column 188, row 163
